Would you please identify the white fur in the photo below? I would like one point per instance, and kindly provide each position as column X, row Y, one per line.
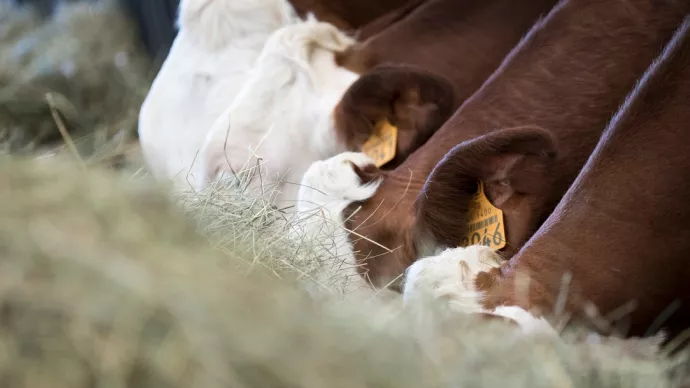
column 283, row 115
column 529, row 324
column 327, row 187
column 449, row 276
column 444, row 284
column 217, row 44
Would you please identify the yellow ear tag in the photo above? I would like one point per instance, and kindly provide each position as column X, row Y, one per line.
column 485, row 223
column 382, row 143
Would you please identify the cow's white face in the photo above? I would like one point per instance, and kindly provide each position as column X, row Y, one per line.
column 333, row 184
column 327, row 188
column 283, row 113
column 437, row 286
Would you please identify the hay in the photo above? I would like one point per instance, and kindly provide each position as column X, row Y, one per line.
column 236, row 219
column 88, row 58
column 104, row 282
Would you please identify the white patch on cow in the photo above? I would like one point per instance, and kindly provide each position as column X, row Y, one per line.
column 217, row 44
column 327, row 188
column 529, row 324
column 283, row 114
column 449, row 276
column 438, row 286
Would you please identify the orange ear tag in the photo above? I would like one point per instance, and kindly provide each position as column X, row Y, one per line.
column 485, row 223
column 382, row 143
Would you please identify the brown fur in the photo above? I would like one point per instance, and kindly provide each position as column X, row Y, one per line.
column 415, row 101
column 623, row 228
column 367, row 174
column 419, row 35
column 462, row 40
column 517, row 166
column 388, row 19
column 568, row 76
column 454, row 43
column 347, row 14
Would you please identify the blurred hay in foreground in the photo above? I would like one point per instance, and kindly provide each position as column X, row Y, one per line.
column 88, row 58
column 104, row 282
column 236, row 219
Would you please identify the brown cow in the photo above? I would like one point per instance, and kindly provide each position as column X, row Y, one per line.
column 622, row 230
column 349, row 15
column 530, row 128
column 461, row 41
column 427, row 101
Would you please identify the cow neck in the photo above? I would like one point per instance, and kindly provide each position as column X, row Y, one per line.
column 623, row 228
column 572, row 96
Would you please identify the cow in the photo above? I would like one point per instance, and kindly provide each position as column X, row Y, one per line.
column 462, row 42
column 281, row 121
column 525, row 134
column 216, row 46
column 433, row 101
column 443, row 34
column 619, row 237
column 176, row 118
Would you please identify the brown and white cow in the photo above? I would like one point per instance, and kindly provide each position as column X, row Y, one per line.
column 220, row 41
column 284, row 113
column 218, row 44
column 462, row 42
column 620, row 235
column 526, row 134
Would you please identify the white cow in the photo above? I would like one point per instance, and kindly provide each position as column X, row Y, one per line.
column 283, row 117
column 217, row 44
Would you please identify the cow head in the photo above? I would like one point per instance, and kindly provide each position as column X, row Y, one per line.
column 399, row 221
column 514, row 165
column 415, row 101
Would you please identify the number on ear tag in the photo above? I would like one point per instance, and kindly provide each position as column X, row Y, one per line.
column 382, row 143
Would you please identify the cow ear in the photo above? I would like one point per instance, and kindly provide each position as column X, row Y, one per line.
column 511, row 163
column 414, row 101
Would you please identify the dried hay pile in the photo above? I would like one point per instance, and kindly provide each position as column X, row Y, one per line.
column 235, row 219
column 105, row 282
column 86, row 56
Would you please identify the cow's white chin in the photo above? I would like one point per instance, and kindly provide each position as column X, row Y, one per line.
column 326, row 189
column 444, row 284
column 333, row 184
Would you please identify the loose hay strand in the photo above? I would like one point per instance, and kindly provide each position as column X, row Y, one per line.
column 63, row 132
